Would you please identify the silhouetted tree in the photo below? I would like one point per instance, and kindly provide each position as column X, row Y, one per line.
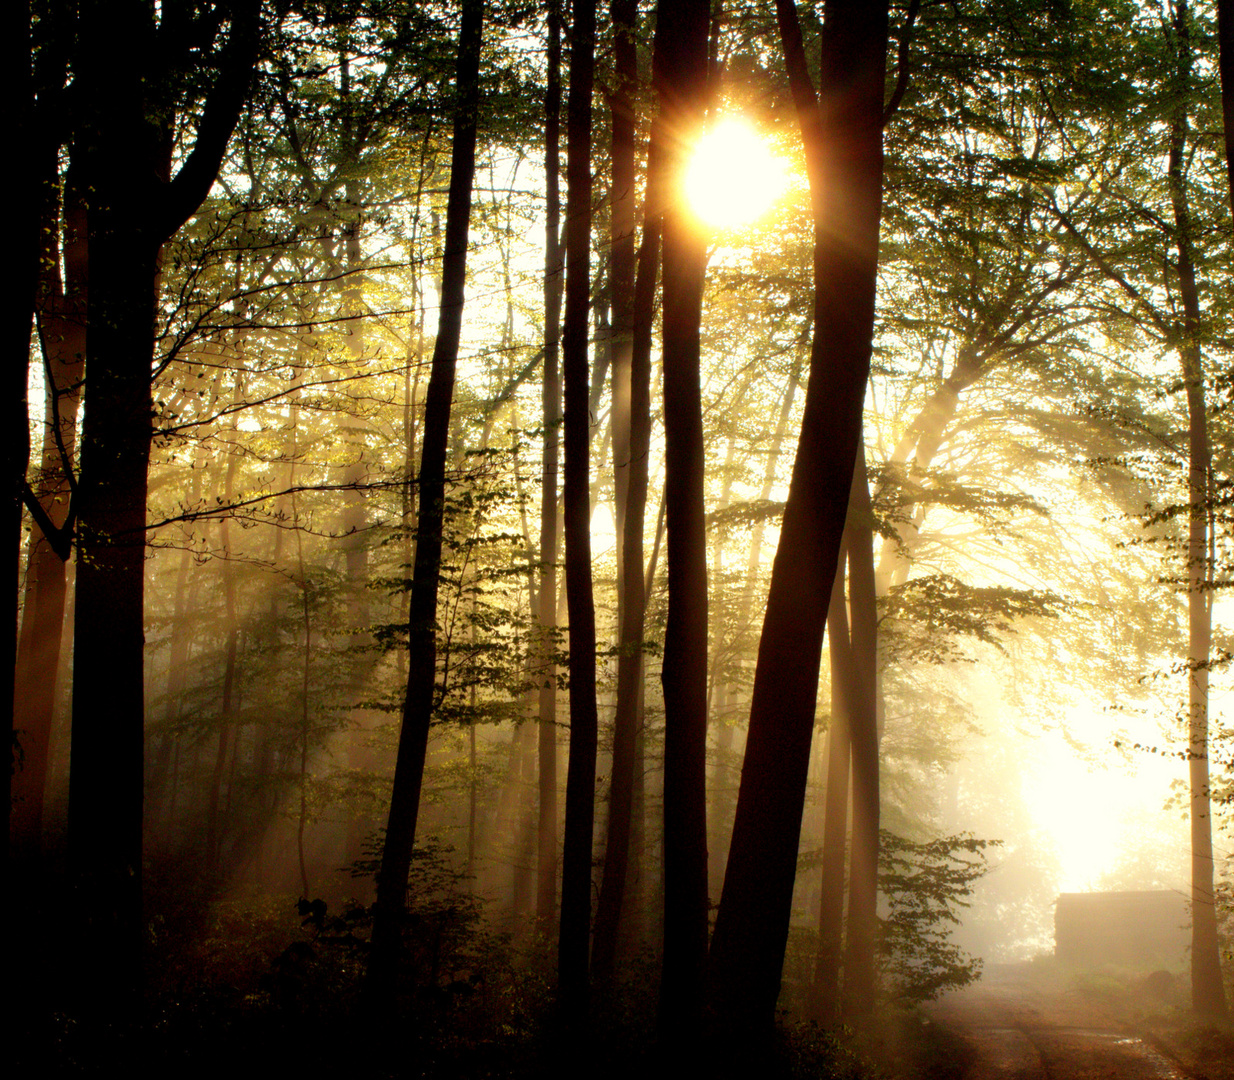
column 842, row 133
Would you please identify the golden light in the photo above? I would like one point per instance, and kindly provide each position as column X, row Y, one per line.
column 734, row 176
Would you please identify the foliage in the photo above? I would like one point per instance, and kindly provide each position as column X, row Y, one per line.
column 927, row 618
column 925, row 884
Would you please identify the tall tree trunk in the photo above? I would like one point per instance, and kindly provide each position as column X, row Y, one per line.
column 546, row 878
column 573, row 944
column 422, row 609
column 842, row 132
column 18, row 57
column 680, row 72
column 134, row 208
column 630, row 421
column 1207, row 988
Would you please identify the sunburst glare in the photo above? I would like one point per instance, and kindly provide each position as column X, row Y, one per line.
column 734, row 175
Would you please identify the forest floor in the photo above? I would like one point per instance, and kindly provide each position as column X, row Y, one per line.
column 1039, row 1022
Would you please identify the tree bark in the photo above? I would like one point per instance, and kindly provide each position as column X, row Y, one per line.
column 18, row 57
column 825, row 993
column 1225, row 39
column 860, row 943
column 422, row 609
column 842, row 133
column 631, row 372
column 573, row 941
column 546, row 879
column 680, row 72
column 133, row 210
column 1207, row 988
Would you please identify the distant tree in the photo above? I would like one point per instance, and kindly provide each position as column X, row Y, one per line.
column 633, row 283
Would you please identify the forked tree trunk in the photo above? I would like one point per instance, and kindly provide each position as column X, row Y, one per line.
column 422, row 608
column 575, row 930
column 842, row 133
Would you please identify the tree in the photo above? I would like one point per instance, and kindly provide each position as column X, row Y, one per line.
column 680, row 72
column 842, row 134
column 422, row 614
column 546, row 891
column 573, row 945
column 1159, row 247
column 633, row 286
column 136, row 207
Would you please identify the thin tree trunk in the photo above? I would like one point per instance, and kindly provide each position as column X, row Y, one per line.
column 422, row 608
column 1225, row 39
column 842, row 133
column 630, row 422
column 231, row 624
column 825, row 993
column 18, row 56
column 859, row 954
column 1207, row 988
column 546, row 878
column 62, row 334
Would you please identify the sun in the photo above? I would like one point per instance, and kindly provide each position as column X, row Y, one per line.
column 733, row 176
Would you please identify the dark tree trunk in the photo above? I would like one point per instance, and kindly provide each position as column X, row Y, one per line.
column 842, row 133
column 18, row 56
column 631, row 419
column 134, row 208
column 724, row 793
column 574, row 939
column 546, row 879
column 680, row 72
column 422, row 609
column 1225, row 37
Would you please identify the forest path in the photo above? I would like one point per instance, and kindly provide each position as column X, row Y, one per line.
column 1016, row 1028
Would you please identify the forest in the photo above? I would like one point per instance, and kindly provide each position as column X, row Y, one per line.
column 556, row 537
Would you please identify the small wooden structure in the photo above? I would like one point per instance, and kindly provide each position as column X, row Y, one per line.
column 1130, row 929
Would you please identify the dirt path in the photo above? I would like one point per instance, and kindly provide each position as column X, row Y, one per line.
column 1018, row 1028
